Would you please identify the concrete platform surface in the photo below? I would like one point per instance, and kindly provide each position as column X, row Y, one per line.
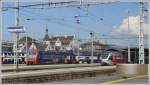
column 55, row 71
column 105, row 80
column 34, row 67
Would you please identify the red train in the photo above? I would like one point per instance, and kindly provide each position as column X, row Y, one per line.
column 114, row 57
column 49, row 57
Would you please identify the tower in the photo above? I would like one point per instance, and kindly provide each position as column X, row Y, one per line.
column 141, row 34
column 46, row 37
column 46, row 31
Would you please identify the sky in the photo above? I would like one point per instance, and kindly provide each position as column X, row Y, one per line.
column 105, row 20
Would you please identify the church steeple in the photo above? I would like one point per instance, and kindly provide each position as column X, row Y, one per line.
column 46, row 37
column 46, row 30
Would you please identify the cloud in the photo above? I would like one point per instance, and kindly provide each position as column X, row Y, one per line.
column 134, row 23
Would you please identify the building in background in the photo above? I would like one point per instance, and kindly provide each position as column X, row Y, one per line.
column 97, row 47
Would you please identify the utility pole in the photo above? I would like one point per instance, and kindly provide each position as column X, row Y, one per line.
column 149, row 36
column 26, row 43
column 92, row 39
column 129, row 57
column 17, row 36
column 1, row 42
column 141, row 34
column 87, row 7
column 78, row 22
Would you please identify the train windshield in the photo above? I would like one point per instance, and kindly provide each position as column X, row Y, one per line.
column 105, row 55
column 109, row 54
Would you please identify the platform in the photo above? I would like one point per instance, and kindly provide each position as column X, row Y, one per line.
column 55, row 74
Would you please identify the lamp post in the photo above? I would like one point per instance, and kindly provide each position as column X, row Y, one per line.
column 0, row 41
column 149, row 35
column 129, row 57
column 78, row 22
column 17, row 36
column 92, row 39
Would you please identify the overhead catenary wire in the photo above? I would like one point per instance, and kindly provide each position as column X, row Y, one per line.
column 82, row 24
column 59, row 4
column 98, row 19
column 102, row 36
column 59, row 20
column 68, row 25
column 85, row 28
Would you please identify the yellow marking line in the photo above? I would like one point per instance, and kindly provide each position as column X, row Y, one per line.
column 128, row 78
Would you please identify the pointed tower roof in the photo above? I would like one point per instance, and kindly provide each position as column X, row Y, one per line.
column 46, row 37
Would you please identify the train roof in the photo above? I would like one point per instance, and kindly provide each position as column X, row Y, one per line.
column 57, row 52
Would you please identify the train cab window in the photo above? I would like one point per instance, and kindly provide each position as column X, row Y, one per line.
column 104, row 55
